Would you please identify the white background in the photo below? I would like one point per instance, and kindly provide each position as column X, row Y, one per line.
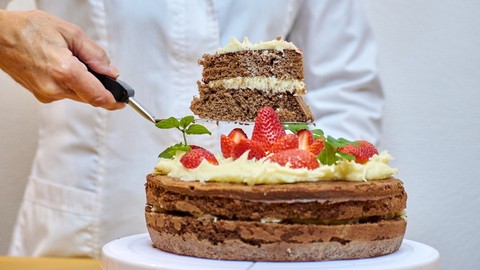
column 430, row 68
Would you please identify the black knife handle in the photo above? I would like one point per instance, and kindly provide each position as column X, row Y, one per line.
column 121, row 91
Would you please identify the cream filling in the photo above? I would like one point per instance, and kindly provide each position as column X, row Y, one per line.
column 253, row 172
column 276, row 44
column 267, row 84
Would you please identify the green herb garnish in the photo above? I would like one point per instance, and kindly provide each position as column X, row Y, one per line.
column 330, row 154
column 187, row 126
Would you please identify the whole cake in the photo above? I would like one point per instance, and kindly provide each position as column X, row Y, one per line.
column 277, row 196
column 241, row 78
column 284, row 193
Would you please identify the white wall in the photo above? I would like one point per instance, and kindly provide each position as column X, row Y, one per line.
column 429, row 60
column 18, row 138
column 429, row 57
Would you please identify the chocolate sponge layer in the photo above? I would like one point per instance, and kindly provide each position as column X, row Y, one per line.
column 243, row 104
column 286, row 64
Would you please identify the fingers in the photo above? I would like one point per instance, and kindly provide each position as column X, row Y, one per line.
column 89, row 52
column 88, row 88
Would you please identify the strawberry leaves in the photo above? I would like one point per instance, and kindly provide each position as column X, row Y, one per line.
column 186, row 126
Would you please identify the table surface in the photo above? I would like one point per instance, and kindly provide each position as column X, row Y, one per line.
column 28, row 263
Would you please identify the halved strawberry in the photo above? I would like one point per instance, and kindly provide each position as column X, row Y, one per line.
column 255, row 148
column 194, row 157
column 227, row 142
column 305, row 138
column 289, row 141
column 268, row 127
column 316, row 147
column 362, row 152
column 297, row 158
column 237, row 134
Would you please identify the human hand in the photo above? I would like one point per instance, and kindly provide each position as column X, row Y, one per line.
column 48, row 56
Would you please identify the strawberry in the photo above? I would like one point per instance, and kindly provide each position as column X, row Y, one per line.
column 237, row 134
column 297, row 158
column 226, row 145
column 227, row 142
column 362, row 152
column 255, row 148
column 316, row 147
column 268, row 127
column 289, row 141
column 194, row 157
column 305, row 138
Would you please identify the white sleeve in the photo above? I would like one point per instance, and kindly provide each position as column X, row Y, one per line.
column 344, row 91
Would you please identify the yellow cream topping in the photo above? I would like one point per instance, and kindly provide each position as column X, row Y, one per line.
column 270, row 84
column 253, row 172
column 276, row 44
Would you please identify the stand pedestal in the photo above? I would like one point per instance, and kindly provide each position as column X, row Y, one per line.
column 136, row 253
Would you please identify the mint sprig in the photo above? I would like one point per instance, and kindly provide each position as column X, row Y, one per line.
column 187, row 126
column 331, row 154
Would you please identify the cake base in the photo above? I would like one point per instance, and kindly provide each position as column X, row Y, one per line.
column 136, row 253
column 256, row 241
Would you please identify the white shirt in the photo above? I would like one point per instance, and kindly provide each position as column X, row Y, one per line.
column 86, row 186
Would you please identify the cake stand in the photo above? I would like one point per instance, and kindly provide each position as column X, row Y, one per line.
column 136, row 253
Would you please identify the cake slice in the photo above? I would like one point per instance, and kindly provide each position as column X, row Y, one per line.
column 241, row 78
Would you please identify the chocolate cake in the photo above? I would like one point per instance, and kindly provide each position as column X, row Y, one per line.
column 306, row 221
column 242, row 78
column 277, row 195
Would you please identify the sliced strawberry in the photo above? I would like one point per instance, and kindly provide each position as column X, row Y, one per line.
column 268, row 127
column 194, row 157
column 226, row 145
column 255, row 148
column 362, row 152
column 305, row 138
column 297, row 158
column 227, row 142
column 289, row 141
column 316, row 147
column 237, row 134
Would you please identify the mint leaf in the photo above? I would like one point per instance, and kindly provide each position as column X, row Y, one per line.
column 171, row 151
column 196, row 129
column 171, row 122
column 327, row 156
column 186, row 121
column 295, row 127
column 185, row 126
column 317, row 133
column 346, row 156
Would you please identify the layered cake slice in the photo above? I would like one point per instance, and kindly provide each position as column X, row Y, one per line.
column 276, row 195
column 241, row 78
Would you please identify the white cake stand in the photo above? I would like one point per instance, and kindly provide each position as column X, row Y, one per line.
column 136, row 253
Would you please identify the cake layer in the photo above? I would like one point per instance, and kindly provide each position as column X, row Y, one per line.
column 243, row 104
column 285, row 65
column 309, row 202
column 256, row 241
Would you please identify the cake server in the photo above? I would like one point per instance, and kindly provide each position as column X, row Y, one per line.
column 122, row 92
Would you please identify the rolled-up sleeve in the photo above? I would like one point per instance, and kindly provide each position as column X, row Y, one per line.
column 340, row 57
